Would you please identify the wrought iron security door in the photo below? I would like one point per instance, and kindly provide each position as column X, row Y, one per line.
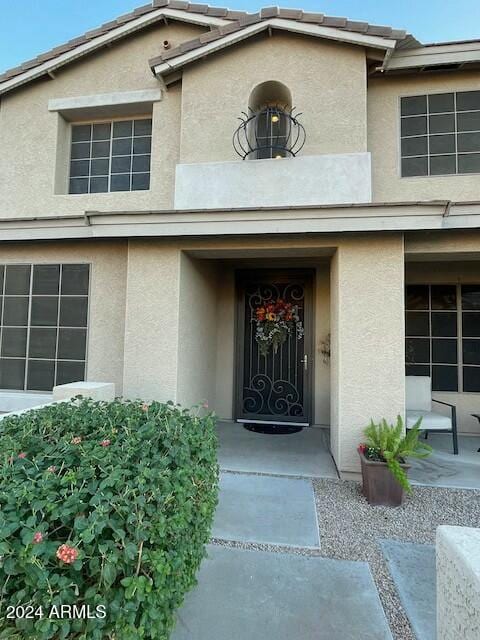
column 274, row 360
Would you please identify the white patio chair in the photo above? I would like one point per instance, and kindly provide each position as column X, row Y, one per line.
column 418, row 404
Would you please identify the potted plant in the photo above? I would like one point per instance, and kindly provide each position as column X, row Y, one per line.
column 383, row 458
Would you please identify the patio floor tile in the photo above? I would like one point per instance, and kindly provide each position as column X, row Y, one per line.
column 299, row 454
column 258, row 595
column 443, row 469
column 413, row 570
column 266, row 509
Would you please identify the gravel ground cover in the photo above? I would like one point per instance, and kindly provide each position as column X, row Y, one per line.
column 350, row 529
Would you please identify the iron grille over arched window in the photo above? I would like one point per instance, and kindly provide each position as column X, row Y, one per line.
column 270, row 132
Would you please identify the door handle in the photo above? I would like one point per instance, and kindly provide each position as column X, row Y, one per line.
column 304, row 361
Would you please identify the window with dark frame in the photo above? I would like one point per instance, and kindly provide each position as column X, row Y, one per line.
column 443, row 335
column 271, row 133
column 440, row 134
column 43, row 325
column 110, row 156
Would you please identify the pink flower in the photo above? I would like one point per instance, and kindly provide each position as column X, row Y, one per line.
column 67, row 554
column 22, row 455
column 37, row 537
column 76, row 440
column 105, row 443
column 145, row 406
column 52, row 468
column 205, row 405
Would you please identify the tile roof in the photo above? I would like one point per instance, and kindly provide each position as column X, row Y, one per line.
column 288, row 14
column 214, row 12
column 240, row 19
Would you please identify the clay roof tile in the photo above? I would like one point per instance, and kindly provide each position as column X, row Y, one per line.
column 240, row 19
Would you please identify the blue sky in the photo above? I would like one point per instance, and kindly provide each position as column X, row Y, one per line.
column 30, row 27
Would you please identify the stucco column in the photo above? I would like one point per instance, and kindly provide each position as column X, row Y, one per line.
column 197, row 330
column 367, row 344
column 151, row 323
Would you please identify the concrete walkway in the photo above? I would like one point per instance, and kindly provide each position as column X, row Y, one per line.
column 259, row 595
column 245, row 593
column 413, row 570
column 304, row 454
column 266, row 509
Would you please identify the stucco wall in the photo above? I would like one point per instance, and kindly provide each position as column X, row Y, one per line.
column 327, row 82
column 322, row 329
column 108, row 273
column 458, row 583
column 450, row 272
column 301, row 181
column 194, row 121
column 384, row 139
column 29, row 176
column 151, row 325
column 446, row 245
column 197, row 328
column 225, row 347
column 368, row 372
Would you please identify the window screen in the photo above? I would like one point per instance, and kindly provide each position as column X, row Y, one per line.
column 110, row 156
column 443, row 335
column 43, row 329
column 440, row 134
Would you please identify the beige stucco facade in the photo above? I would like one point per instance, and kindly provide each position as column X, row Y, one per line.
column 163, row 320
column 384, row 139
column 367, row 340
column 331, row 92
column 180, row 324
column 38, row 140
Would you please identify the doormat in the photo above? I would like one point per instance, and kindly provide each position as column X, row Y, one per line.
column 274, row 429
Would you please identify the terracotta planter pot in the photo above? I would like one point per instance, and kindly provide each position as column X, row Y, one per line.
column 379, row 486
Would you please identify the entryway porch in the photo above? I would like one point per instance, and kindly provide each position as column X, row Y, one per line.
column 307, row 455
column 357, row 296
column 302, row 454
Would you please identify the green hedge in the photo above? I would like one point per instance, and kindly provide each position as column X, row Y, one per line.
column 103, row 504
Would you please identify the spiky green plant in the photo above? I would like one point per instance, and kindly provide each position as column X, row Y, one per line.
column 393, row 445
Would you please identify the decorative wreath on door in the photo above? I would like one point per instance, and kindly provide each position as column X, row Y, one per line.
column 275, row 321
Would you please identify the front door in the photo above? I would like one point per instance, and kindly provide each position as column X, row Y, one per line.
column 274, row 355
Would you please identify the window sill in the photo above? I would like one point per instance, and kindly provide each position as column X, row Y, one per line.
column 101, row 194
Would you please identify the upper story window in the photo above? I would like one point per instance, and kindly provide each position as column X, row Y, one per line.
column 110, row 156
column 271, row 128
column 43, row 325
column 440, row 134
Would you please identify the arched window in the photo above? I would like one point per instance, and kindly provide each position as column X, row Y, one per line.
column 269, row 129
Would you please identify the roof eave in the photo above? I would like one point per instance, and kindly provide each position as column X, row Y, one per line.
column 121, row 31
column 164, row 68
column 434, row 55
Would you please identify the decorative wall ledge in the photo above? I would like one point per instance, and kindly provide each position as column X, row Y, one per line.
column 106, row 104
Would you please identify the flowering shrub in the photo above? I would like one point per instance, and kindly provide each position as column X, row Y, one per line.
column 103, row 505
column 275, row 322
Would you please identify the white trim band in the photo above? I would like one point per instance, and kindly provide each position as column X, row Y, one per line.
column 119, row 98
